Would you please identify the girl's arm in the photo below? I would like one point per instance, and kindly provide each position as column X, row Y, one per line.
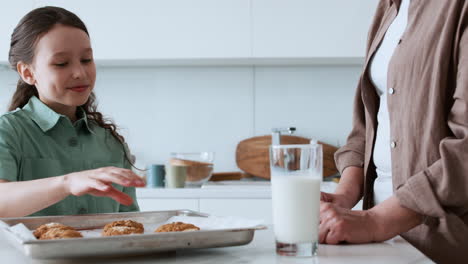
column 23, row 198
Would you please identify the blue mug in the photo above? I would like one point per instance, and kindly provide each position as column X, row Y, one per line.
column 155, row 176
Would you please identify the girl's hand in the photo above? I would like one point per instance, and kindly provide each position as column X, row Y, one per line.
column 98, row 182
column 337, row 199
column 339, row 225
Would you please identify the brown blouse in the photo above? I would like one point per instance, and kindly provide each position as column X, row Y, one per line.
column 428, row 109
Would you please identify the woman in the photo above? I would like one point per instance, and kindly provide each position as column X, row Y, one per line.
column 57, row 154
column 406, row 154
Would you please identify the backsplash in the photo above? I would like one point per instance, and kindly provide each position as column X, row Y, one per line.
column 211, row 108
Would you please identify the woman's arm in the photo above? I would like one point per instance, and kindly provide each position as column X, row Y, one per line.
column 380, row 223
column 349, row 190
column 442, row 188
column 392, row 219
column 23, row 198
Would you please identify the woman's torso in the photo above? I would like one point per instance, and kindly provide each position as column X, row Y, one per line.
column 428, row 120
column 378, row 74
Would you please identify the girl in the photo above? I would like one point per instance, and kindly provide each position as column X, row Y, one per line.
column 57, row 154
column 408, row 150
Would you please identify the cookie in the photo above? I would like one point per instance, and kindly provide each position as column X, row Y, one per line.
column 41, row 230
column 123, row 227
column 176, row 227
column 57, row 233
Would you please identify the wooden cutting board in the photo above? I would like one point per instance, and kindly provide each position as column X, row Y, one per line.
column 252, row 155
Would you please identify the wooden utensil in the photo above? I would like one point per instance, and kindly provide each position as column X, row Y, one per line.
column 252, row 155
column 229, row 176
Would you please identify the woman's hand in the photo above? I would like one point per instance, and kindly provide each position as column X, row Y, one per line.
column 340, row 200
column 339, row 225
column 98, row 182
column 384, row 221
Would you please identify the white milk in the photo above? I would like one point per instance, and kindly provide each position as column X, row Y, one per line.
column 296, row 202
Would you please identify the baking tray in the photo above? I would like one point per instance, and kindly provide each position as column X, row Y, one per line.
column 122, row 245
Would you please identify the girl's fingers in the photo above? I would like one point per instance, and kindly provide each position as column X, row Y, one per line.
column 112, row 177
column 137, row 180
column 119, row 196
column 128, row 175
column 100, row 186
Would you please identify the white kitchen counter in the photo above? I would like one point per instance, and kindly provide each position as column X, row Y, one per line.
column 231, row 192
column 260, row 251
column 243, row 199
column 239, row 190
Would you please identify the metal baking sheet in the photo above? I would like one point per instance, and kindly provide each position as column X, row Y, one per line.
column 122, row 245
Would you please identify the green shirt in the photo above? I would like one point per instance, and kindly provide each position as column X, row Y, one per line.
column 36, row 143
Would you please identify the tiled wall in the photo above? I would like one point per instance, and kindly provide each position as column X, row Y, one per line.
column 184, row 109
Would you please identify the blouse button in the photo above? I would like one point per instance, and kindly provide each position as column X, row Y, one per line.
column 73, row 142
column 391, row 91
column 393, row 144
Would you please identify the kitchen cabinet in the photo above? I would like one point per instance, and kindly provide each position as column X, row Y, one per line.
column 167, row 204
column 214, row 32
column 260, row 209
column 246, row 201
column 311, row 28
column 162, row 29
column 252, row 202
column 11, row 13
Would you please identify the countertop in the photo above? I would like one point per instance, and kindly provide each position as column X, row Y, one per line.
column 228, row 190
column 259, row 251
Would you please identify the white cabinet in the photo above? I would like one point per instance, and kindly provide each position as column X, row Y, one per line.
column 163, row 29
column 11, row 13
column 213, row 32
column 311, row 28
column 256, row 209
column 149, row 204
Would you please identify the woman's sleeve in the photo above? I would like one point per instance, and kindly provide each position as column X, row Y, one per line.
column 129, row 190
column 9, row 158
column 352, row 153
column 443, row 187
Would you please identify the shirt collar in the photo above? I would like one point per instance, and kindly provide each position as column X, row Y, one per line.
column 47, row 118
column 82, row 117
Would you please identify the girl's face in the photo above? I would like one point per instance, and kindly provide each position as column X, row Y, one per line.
column 63, row 69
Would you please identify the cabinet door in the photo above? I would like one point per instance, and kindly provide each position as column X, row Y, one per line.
column 246, row 208
column 10, row 14
column 311, row 28
column 147, row 204
column 163, row 29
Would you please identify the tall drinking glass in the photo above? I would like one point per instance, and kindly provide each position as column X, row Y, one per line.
column 296, row 175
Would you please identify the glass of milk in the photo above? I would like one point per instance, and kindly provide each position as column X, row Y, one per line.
column 296, row 175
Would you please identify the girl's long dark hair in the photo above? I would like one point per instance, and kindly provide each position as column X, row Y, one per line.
column 23, row 41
